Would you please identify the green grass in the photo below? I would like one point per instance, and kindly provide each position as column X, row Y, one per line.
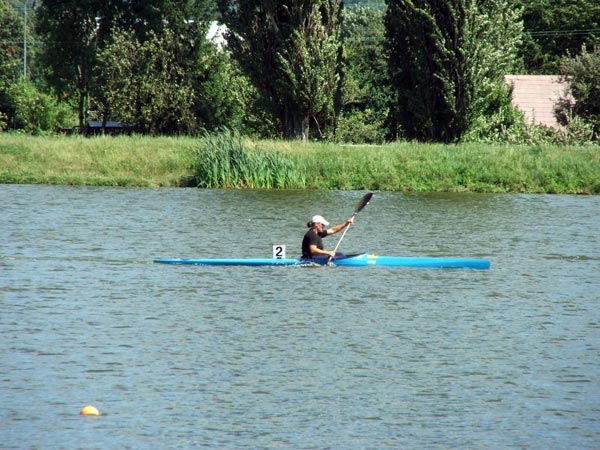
column 99, row 161
column 436, row 167
column 224, row 161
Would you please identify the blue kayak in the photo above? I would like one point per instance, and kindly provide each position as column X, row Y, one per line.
column 360, row 260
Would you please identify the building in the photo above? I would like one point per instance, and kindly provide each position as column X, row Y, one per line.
column 536, row 96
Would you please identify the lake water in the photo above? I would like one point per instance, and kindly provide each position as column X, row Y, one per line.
column 182, row 357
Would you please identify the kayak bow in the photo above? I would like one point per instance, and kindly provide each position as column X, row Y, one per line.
column 360, row 260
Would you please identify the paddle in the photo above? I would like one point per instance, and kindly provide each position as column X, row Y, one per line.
column 363, row 202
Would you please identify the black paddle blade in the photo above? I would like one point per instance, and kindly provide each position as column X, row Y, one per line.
column 363, row 202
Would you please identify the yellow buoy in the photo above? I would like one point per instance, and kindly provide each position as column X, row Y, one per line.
column 90, row 411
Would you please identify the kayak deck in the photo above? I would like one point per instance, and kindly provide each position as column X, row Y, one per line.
column 360, row 260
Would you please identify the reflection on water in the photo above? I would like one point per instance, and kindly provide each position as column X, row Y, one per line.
column 291, row 357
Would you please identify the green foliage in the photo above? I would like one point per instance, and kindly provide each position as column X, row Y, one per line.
column 70, row 32
column 35, row 112
column 143, row 84
column 427, row 68
column 11, row 53
column 170, row 36
column 502, row 123
column 361, row 127
column 10, row 57
column 223, row 161
column 309, row 67
column 577, row 131
column 492, row 38
column 372, row 4
column 149, row 64
column 446, row 63
column 556, row 28
column 290, row 52
column 223, row 94
column 582, row 76
column 365, row 94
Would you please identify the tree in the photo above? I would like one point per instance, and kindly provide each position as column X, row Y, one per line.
column 492, row 43
column 70, row 30
column 143, row 84
column 582, row 76
column 427, row 68
column 371, row 4
column 224, row 96
column 77, row 31
column 556, row 28
column 365, row 93
column 290, row 50
column 10, row 56
column 446, row 63
column 187, row 23
column 34, row 111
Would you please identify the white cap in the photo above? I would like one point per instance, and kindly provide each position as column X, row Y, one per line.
column 319, row 219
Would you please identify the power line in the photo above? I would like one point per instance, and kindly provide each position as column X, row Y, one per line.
column 592, row 31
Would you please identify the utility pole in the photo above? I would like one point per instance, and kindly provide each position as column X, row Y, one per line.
column 32, row 5
column 25, row 42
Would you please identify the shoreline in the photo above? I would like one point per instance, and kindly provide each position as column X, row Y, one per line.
column 141, row 161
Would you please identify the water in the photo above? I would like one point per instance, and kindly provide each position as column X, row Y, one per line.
column 185, row 357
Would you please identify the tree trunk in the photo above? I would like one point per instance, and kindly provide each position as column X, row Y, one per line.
column 80, row 107
column 82, row 90
column 297, row 126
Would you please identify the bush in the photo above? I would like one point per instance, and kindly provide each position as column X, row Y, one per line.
column 360, row 127
column 3, row 121
column 582, row 99
column 577, row 131
column 36, row 112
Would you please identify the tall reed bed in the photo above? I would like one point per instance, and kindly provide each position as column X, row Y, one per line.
column 222, row 160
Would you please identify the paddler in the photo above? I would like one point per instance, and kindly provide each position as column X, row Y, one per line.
column 312, row 244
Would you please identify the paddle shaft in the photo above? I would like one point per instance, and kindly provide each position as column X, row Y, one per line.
column 342, row 237
column 363, row 202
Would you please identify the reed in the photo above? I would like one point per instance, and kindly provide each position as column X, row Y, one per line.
column 223, row 160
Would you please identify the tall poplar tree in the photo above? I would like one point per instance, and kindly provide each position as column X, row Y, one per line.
column 427, row 66
column 446, row 63
column 291, row 51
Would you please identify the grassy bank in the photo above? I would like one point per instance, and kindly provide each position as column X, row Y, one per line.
column 437, row 167
column 101, row 161
column 146, row 161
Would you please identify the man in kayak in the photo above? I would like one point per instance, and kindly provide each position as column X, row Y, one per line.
column 312, row 244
